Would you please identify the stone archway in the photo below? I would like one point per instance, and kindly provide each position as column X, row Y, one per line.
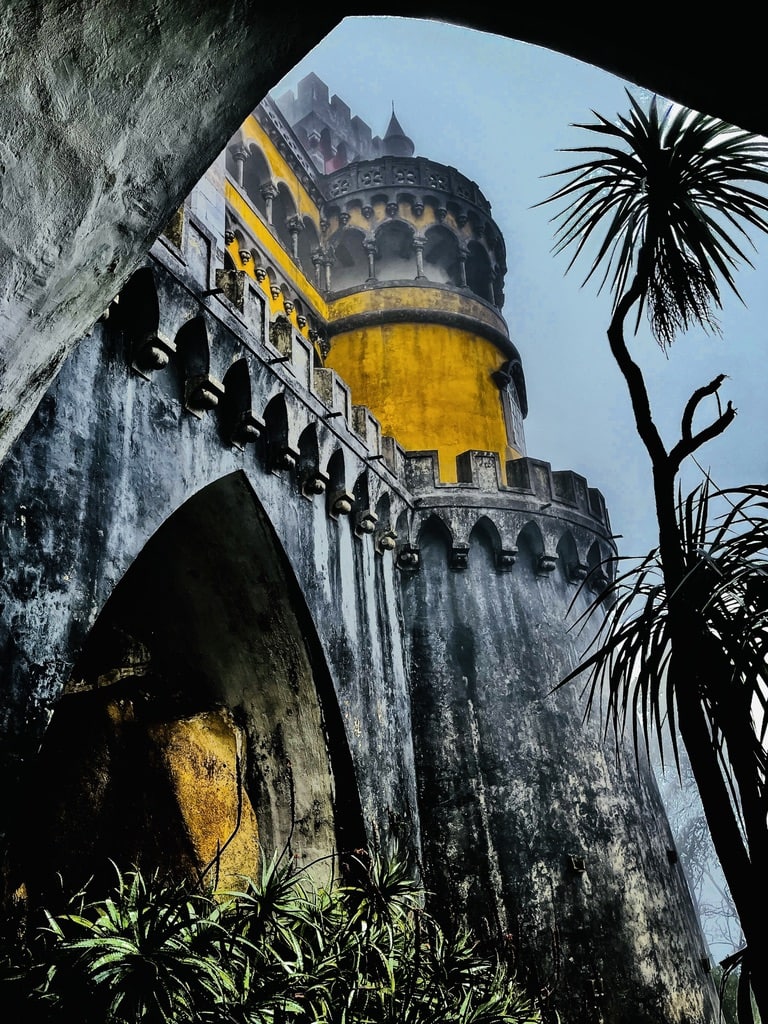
column 200, row 724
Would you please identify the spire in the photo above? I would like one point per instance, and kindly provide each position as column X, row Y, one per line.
column 396, row 142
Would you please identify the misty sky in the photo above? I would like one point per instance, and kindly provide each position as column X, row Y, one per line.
column 498, row 110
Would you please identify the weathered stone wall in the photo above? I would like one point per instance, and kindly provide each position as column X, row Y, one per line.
column 531, row 826
column 260, row 588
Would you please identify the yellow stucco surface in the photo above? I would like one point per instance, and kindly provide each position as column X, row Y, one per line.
column 201, row 761
column 429, row 385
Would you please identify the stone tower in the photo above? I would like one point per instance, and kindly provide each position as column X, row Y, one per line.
column 303, row 569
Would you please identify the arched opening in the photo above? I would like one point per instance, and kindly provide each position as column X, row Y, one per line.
column 441, row 256
column 479, row 272
column 350, row 267
column 256, row 176
column 200, row 725
column 396, row 259
column 309, row 240
column 283, row 209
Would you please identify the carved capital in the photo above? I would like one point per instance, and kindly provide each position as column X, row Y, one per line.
column 295, row 225
column 268, row 191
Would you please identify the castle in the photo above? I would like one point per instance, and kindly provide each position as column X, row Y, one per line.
column 289, row 579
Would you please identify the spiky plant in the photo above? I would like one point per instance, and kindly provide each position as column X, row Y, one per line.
column 662, row 206
column 667, row 200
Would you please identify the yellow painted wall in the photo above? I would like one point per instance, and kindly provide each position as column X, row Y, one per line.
column 429, row 385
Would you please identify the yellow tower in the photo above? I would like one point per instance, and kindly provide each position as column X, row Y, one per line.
column 391, row 263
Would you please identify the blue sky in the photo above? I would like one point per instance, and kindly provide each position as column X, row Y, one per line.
column 499, row 110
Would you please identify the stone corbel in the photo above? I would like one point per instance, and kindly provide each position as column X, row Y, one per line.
column 314, row 483
column 282, row 456
column 545, row 564
column 202, row 393
column 577, row 572
column 459, row 557
column 385, row 541
column 505, row 559
column 598, row 580
column 247, row 428
column 408, row 558
column 340, row 503
column 366, row 523
column 151, row 354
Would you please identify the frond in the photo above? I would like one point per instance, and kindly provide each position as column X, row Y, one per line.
column 666, row 201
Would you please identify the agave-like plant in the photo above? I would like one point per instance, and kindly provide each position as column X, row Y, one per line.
column 662, row 206
column 152, row 952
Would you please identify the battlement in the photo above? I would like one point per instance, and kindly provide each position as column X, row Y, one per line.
column 264, row 381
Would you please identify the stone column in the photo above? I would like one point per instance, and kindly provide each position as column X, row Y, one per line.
column 295, row 227
column 418, row 247
column 462, row 256
column 268, row 193
column 370, row 248
column 240, row 156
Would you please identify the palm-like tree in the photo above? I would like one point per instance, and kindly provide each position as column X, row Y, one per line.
column 664, row 205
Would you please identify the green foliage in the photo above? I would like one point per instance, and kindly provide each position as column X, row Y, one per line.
column 665, row 198
column 279, row 952
column 726, row 588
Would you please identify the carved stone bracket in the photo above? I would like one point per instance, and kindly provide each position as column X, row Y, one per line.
column 151, row 354
column 314, row 483
column 282, row 456
column 505, row 559
column 577, row 572
column 385, row 541
column 202, row 393
column 598, row 580
column 340, row 503
column 247, row 428
column 366, row 523
column 408, row 558
column 545, row 564
column 459, row 557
